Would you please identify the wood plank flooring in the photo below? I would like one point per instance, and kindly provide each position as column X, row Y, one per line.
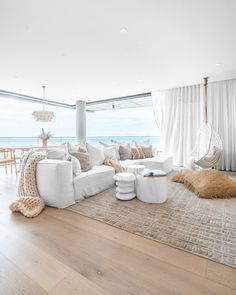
column 61, row 252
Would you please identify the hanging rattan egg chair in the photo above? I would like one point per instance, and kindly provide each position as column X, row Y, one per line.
column 208, row 148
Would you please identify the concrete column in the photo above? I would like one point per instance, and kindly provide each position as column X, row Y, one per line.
column 81, row 121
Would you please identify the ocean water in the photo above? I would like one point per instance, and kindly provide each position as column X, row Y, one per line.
column 34, row 141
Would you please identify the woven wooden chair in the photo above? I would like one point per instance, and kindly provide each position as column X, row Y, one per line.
column 8, row 158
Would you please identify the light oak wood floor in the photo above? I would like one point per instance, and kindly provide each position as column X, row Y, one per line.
column 61, row 252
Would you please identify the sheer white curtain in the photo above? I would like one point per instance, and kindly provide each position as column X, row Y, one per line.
column 222, row 116
column 179, row 115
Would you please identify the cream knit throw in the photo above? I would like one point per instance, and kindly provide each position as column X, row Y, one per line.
column 29, row 202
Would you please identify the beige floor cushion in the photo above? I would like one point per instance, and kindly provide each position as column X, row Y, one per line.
column 208, row 183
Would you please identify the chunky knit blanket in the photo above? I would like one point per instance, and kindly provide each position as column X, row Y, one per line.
column 29, row 202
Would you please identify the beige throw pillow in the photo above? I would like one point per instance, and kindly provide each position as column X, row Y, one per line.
column 137, row 153
column 147, row 150
column 125, row 152
column 83, row 157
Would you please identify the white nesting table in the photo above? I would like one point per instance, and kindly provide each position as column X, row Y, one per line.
column 151, row 189
column 125, row 186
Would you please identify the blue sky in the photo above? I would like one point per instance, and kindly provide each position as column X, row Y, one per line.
column 16, row 120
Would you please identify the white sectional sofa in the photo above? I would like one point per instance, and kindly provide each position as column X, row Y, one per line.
column 60, row 188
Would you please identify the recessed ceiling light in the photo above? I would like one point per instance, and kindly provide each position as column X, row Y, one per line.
column 218, row 64
column 124, row 30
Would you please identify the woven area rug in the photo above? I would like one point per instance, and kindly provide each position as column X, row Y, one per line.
column 200, row 226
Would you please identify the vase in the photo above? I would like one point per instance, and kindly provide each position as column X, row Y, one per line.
column 44, row 142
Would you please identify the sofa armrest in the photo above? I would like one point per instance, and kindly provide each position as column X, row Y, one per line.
column 55, row 182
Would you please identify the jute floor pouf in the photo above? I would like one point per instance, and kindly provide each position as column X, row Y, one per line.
column 208, row 184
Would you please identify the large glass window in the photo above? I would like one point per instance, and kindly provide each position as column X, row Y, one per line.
column 19, row 128
column 122, row 124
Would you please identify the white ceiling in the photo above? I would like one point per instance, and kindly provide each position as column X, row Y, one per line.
column 75, row 46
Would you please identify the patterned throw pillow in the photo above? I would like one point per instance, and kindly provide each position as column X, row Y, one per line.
column 147, row 151
column 146, row 147
column 83, row 157
column 137, row 153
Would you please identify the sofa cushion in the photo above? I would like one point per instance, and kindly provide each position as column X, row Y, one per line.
column 112, row 145
column 137, row 153
column 147, row 150
column 75, row 147
column 125, row 152
column 83, row 157
column 110, row 152
column 96, row 154
column 57, row 153
column 92, row 182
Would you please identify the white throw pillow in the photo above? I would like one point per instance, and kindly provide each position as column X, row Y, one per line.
column 112, row 145
column 110, row 152
column 72, row 148
column 57, row 153
column 96, row 155
column 75, row 164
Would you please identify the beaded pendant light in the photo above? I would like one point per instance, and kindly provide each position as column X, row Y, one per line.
column 43, row 115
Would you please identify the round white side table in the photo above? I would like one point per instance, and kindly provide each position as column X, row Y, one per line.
column 125, row 186
column 135, row 169
column 151, row 189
